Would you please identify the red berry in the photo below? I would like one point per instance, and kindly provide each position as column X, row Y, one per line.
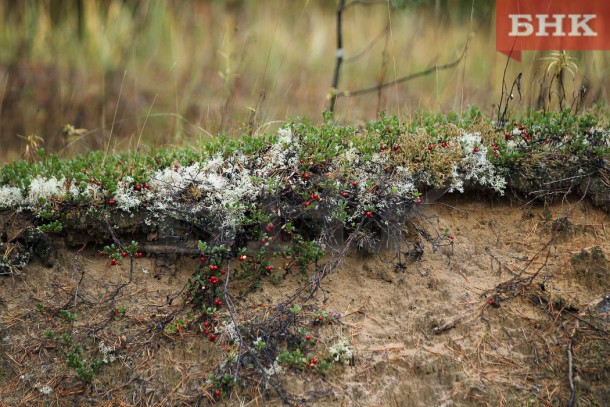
column 111, row 202
column 476, row 149
column 263, row 240
column 113, row 262
column 383, row 148
column 124, row 254
column 242, row 257
column 515, row 124
column 137, row 188
column 496, row 155
column 320, row 317
column 212, row 337
column 269, row 268
column 213, row 267
column 490, row 302
column 139, row 254
column 206, row 324
column 214, row 315
column 507, row 136
column 99, row 184
column 308, row 337
column 451, row 237
column 548, row 140
column 430, row 148
column 396, row 147
column 443, row 144
column 344, row 194
column 202, row 259
column 369, row 214
column 312, row 365
column 418, row 200
column 307, row 203
column 146, row 185
column 355, row 183
column 218, row 393
column 522, row 127
column 306, row 176
column 207, row 332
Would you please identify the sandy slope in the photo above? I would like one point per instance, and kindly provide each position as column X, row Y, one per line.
column 423, row 336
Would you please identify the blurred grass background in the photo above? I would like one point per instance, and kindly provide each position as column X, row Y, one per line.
column 126, row 73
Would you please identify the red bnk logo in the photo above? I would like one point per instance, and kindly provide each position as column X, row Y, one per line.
column 567, row 25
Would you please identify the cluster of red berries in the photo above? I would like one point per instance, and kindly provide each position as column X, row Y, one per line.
column 269, row 227
column 115, row 262
column 314, row 196
column 208, row 326
column 313, row 362
column 524, row 133
column 384, row 147
column 217, row 302
column 495, row 148
column 213, row 280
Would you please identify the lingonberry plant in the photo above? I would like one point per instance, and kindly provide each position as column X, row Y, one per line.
column 116, row 252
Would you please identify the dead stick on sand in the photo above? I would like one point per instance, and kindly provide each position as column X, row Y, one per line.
column 451, row 324
column 571, row 368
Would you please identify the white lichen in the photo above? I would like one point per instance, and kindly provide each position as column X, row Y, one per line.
column 10, row 197
column 340, row 352
column 108, row 352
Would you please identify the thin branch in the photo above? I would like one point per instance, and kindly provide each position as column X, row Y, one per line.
column 407, row 78
column 571, row 373
column 368, row 47
column 231, row 309
column 75, row 266
column 338, row 58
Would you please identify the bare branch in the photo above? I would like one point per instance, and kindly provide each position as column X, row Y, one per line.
column 407, row 78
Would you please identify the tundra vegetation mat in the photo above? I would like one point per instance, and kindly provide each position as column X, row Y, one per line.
column 439, row 262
